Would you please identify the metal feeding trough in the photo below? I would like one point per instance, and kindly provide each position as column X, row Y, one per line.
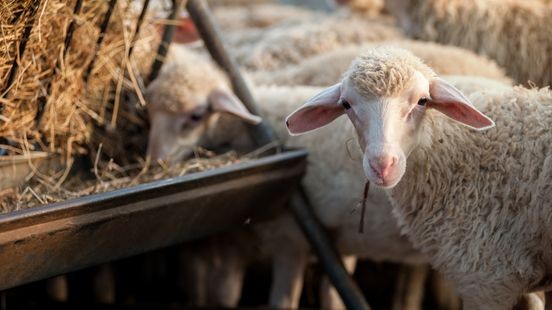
column 57, row 238
column 62, row 237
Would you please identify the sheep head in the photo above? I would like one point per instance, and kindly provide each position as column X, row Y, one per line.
column 386, row 94
column 180, row 109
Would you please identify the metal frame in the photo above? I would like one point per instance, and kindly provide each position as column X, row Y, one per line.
column 263, row 134
column 58, row 238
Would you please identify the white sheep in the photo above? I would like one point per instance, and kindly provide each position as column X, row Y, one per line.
column 181, row 119
column 515, row 33
column 475, row 202
column 258, row 16
column 292, row 43
column 327, row 68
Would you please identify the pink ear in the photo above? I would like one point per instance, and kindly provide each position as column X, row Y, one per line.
column 448, row 100
column 317, row 112
column 225, row 101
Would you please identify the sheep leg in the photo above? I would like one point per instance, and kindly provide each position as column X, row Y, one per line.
column 57, row 288
column 548, row 300
column 409, row 293
column 192, row 276
column 287, row 277
column 329, row 296
column 531, row 301
column 104, row 284
column 445, row 297
column 225, row 278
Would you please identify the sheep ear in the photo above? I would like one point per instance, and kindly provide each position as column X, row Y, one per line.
column 317, row 112
column 226, row 102
column 448, row 100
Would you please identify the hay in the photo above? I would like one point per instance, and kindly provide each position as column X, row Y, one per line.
column 46, row 78
column 92, row 118
column 42, row 190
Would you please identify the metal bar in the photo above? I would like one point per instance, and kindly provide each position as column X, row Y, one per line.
column 54, row 239
column 168, row 33
column 103, row 29
column 71, row 27
column 68, row 38
column 21, row 51
column 138, row 26
column 207, row 28
column 319, row 241
column 203, row 19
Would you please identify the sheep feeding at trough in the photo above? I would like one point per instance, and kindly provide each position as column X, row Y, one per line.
column 334, row 187
column 460, row 196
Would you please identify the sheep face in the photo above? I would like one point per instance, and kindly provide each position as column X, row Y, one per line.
column 388, row 123
column 174, row 133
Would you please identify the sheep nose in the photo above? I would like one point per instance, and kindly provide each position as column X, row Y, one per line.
column 383, row 165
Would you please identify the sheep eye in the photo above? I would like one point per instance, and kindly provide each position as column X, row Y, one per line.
column 345, row 104
column 196, row 116
column 423, row 101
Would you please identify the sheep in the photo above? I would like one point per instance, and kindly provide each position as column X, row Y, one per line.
column 175, row 115
column 258, row 16
column 514, row 33
column 370, row 7
column 474, row 202
column 327, row 69
column 291, row 44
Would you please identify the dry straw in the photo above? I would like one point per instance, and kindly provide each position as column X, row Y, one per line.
column 51, row 104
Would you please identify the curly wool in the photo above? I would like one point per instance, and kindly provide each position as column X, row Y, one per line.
column 191, row 76
column 479, row 202
column 385, row 71
column 292, row 44
column 517, row 34
column 327, row 68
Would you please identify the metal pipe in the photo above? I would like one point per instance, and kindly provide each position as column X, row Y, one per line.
column 138, row 26
column 263, row 134
column 319, row 241
column 99, row 41
column 21, row 51
column 166, row 38
column 71, row 28
column 68, row 38
column 203, row 19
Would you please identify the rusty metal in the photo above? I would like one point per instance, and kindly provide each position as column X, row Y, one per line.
column 99, row 41
column 68, row 38
column 21, row 50
column 263, row 134
column 348, row 290
column 71, row 27
column 166, row 38
column 203, row 19
column 58, row 238
column 138, row 26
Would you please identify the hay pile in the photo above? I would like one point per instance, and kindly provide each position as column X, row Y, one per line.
column 41, row 190
column 73, row 100
column 49, row 80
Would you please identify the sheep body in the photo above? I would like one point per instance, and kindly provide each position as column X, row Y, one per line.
column 289, row 45
column 514, row 33
column 476, row 203
column 490, row 233
column 327, row 68
column 258, row 16
column 335, row 184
